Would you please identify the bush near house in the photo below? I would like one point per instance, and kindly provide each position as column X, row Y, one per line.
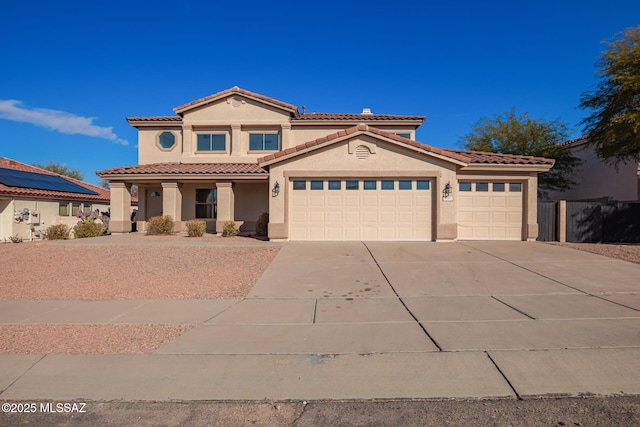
column 88, row 229
column 160, row 225
column 262, row 224
column 196, row 228
column 87, row 226
column 230, row 229
column 57, row 232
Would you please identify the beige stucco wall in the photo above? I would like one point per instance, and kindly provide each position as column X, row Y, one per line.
column 598, row 180
column 235, row 117
column 389, row 160
column 302, row 134
column 6, row 219
column 251, row 200
column 150, row 152
column 49, row 215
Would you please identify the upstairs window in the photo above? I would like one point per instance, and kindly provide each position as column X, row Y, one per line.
column 264, row 142
column 212, row 142
column 166, row 140
column 404, row 135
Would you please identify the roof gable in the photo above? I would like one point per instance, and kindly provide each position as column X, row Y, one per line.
column 292, row 109
column 463, row 158
column 362, row 129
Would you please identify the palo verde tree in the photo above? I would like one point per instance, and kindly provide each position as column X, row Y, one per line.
column 508, row 133
column 60, row 169
column 614, row 124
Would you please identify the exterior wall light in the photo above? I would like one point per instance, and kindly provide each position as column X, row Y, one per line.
column 446, row 192
column 275, row 190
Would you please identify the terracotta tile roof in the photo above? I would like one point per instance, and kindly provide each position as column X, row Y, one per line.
column 236, row 90
column 464, row 156
column 482, row 157
column 187, row 168
column 356, row 117
column 102, row 196
column 575, row 141
column 365, row 128
column 176, row 119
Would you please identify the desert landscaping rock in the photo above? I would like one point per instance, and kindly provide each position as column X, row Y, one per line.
column 94, row 272
column 86, row 339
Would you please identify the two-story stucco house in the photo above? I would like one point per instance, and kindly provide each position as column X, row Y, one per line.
column 321, row 176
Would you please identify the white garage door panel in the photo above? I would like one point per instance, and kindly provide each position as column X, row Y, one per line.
column 361, row 214
column 490, row 215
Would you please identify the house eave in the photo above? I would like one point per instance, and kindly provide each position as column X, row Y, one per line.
column 375, row 123
column 354, row 135
column 133, row 178
column 483, row 167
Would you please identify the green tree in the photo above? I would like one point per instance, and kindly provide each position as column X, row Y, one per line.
column 508, row 133
column 614, row 124
column 60, row 169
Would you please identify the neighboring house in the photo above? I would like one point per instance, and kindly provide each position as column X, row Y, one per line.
column 596, row 180
column 321, row 176
column 32, row 199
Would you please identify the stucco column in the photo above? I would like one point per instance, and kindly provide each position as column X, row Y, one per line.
column 225, row 203
column 120, row 221
column 236, row 141
column 286, row 136
column 562, row 221
column 531, row 207
column 172, row 202
column 142, row 205
column 187, row 131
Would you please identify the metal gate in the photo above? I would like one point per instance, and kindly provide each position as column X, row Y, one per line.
column 547, row 221
column 594, row 222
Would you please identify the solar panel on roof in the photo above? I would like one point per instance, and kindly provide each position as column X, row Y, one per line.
column 40, row 181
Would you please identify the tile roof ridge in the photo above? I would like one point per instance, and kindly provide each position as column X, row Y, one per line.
column 236, row 89
column 362, row 127
column 574, row 140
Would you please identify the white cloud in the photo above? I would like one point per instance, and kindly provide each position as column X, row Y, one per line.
column 56, row 120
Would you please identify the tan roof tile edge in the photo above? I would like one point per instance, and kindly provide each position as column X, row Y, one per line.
column 240, row 91
column 364, row 128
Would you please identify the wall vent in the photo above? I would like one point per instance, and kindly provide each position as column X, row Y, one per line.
column 362, row 152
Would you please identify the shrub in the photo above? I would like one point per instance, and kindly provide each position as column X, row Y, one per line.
column 229, row 229
column 15, row 239
column 57, row 232
column 160, row 225
column 196, row 228
column 261, row 224
column 88, row 229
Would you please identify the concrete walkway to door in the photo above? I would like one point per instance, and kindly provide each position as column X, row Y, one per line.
column 354, row 320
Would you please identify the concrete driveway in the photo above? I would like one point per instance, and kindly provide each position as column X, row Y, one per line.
column 354, row 320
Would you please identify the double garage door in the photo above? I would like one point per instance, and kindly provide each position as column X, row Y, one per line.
column 490, row 211
column 361, row 209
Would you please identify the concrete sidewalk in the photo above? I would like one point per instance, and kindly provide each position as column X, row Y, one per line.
column 367, row 320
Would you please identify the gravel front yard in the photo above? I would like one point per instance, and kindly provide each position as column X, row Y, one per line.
column 625, row 252
column 49, row 271
column 86, row 339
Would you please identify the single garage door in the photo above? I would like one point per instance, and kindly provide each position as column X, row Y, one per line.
column 360, row 209
column 490, row 211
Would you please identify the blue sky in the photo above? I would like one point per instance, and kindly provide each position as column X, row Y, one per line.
column 71, row 72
